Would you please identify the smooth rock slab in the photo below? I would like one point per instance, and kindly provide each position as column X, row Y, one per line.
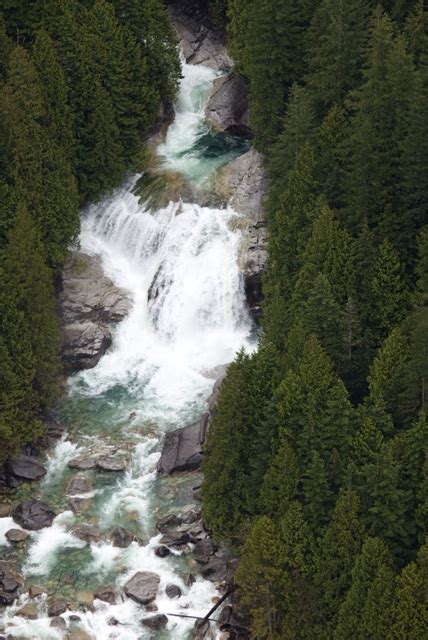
column 26, row 467
column 227, row 107
column 182, row 449
column 84, row 344
column 155, row 622
column 110, row 463
column 78, row 485
column 33, row 515
column 142, row 587
column 82, row 464
column 16, row 535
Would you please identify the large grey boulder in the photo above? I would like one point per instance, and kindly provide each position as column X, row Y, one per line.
column 244, row 182
column 33, row 514
column 26, row 468
column 199, row 43
column 10, row 582
column 182, row 449
column 88, row 294
column 84, row 345
column 227, row 107
column 89, row 301
column 142, row 587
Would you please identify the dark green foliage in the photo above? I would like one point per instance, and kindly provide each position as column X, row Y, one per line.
column 341, row 422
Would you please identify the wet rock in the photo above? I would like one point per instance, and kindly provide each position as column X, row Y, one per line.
column 82, row 464
column 10, row 582
column 79, row 505
column 175, row 539
column 162, row 552
column 74, row 618
column 225, row 615
column 190, row 516
column 79, row 634
column 168, row 522
column 201, row 629
column 34, row 591
column 85, row 599
column 25, row 468
column 5, row 509
column 107, row 594
column 122, row 538
column 227, row 108
column 182, row 449
column 33, row 514
column 245, row 180
column 87, row 532
column 173, row 591
column 142, row 587
column 212, row 400
column 58, row 623
column 88, row 294
column 16, row 535
column 216, row 570
column 113, row 622
column 151, row 607
column 155, row 622
column 84, row 344
column 28, row 611
column 199, row 43
column 189, row 580
column 110, row 463
column 203, row 550
column 55, row 609
column 77, row 485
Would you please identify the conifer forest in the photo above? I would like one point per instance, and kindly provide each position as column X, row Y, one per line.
column 315, row 466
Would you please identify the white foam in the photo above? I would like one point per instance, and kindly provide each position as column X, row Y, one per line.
column 57, row 461
column 5, row 525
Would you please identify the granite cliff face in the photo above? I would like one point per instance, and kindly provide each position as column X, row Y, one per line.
column 89, row 304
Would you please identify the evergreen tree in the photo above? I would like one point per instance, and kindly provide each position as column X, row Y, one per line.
column 281, row 483
column 371, row 576
column 332, row 156
column 410, row 610
column 387, row 291
column 339, row 548
column 337, row 40
column 5, row 49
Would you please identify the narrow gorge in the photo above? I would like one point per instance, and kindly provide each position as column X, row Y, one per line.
column 158, row 300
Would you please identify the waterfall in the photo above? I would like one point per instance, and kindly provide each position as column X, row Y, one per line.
column 180, row 265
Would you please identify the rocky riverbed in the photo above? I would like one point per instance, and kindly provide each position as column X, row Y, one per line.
column 105, row 539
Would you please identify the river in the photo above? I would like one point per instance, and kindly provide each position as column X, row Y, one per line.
column 156, row 377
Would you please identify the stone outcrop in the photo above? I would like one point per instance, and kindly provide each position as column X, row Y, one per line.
column 25, row 468
column 199, row 43
column 244, row 182
column 10, row 583
column 182, row 449
column 227, row 108
column 142, row 587
column 33, row 515
column 89, row 302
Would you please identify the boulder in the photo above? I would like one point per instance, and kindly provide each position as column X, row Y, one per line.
column 88, row 294
column 56, row 608
column 107, row 594
column 216, row 570
column 5, row 509
column 83, row 464
column 142, row 587
column 78, row 485
column 203, row 550
column 122, row 538
column 10, row 582
column 79, row 505
column 29, row 611
column 244, row 180
column 156, row 623
column 58, row 623
column 175, row 539
column 26, row 468
column 110, row 463
column 16, row 535
column 199, row 43
column 173, row 591
column 34, row 591
column 168, row 522
column 84, row 344
column 182, row 449
column 162, row 552
column 87, row 532
column 227, row 107
column 33, row 514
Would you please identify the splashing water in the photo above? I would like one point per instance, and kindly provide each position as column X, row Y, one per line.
column 180, row 266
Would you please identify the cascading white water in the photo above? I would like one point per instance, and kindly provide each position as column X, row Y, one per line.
column 180, row 265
